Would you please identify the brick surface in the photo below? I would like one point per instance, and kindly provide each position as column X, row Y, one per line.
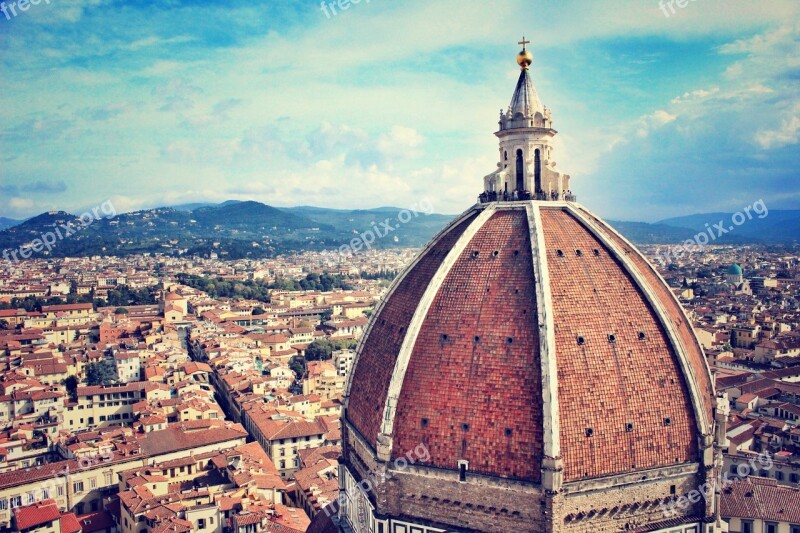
column 604, row 385
column 378, row 356
column 688, row 338
column 474, row 374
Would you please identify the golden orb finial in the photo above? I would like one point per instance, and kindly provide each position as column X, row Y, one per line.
column 524, row 58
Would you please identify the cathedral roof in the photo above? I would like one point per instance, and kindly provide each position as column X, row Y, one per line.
column 527, row 330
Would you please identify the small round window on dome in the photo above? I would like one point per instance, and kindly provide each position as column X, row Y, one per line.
column 560, row 253
column 596, row 252
column 589, row 432
column 612, row 338
column 581, row 341
column 642, row 336
column 578, row 253
column 476, row 253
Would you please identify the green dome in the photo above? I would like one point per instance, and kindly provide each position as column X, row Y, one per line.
column 735, row 270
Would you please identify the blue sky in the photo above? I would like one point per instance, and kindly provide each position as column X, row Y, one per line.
column 161, row 103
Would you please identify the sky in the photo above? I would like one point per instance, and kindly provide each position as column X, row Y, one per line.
column 661, row 111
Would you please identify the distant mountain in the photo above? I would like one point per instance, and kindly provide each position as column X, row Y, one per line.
column 8, row 222
column 249, row 229
column 249, row 214
column 777, row 226
column 198, row 205
column 644, row 233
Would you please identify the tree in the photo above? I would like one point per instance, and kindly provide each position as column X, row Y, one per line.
column 101, row 373
column 319, row 350
column 71, row 384
column 120, row 311
column 298, row 366
column 326, row 315
column 258, row 311
column 3, row 324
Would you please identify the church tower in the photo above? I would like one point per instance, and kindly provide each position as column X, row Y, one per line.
column 527, row 168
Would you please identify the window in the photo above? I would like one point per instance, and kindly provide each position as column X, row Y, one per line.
column 201, row 523
column 109, row 477
column 795, row 478
column 794, row 528
column 16, row 501
column 462, row 470
column 46, row 493
column 4, row 505
column 31, row 497
column 283, row 464
column 93, row 483
column 77, row 487
column 771, row 527
column 779, row 475
column 747, row 526
column 60, row 490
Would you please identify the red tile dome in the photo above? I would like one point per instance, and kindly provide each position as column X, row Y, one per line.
column 526, row 331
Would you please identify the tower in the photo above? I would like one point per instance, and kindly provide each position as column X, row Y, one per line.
column 527, row 168
column 530, row 371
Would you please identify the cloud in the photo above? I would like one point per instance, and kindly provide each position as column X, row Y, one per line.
column 785, row 135
column 20, row 203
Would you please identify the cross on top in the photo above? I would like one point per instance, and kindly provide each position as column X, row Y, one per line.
column 523, row 42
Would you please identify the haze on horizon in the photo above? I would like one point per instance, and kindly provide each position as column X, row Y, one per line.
column 386, row 102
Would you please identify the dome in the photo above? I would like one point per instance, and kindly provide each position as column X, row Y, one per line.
column 472, row 357
column 529, row 371
column 530, row 338
column 735, row 270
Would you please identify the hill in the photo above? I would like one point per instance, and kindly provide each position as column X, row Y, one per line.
column 776, row 227
column 8, row 222
column 251, row 229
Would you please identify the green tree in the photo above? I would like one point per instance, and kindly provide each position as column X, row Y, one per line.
column 319, row 350
column 298, row 366
column 120, row 311
column 101, row 373
column 258, row 311
column 71, row 384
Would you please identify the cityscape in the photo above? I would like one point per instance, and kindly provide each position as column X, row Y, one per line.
column 333, row 350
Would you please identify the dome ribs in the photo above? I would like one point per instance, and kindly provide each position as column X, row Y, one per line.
column 621, row 387
column 381, row 346
column 481, row 396
column 677, row 316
